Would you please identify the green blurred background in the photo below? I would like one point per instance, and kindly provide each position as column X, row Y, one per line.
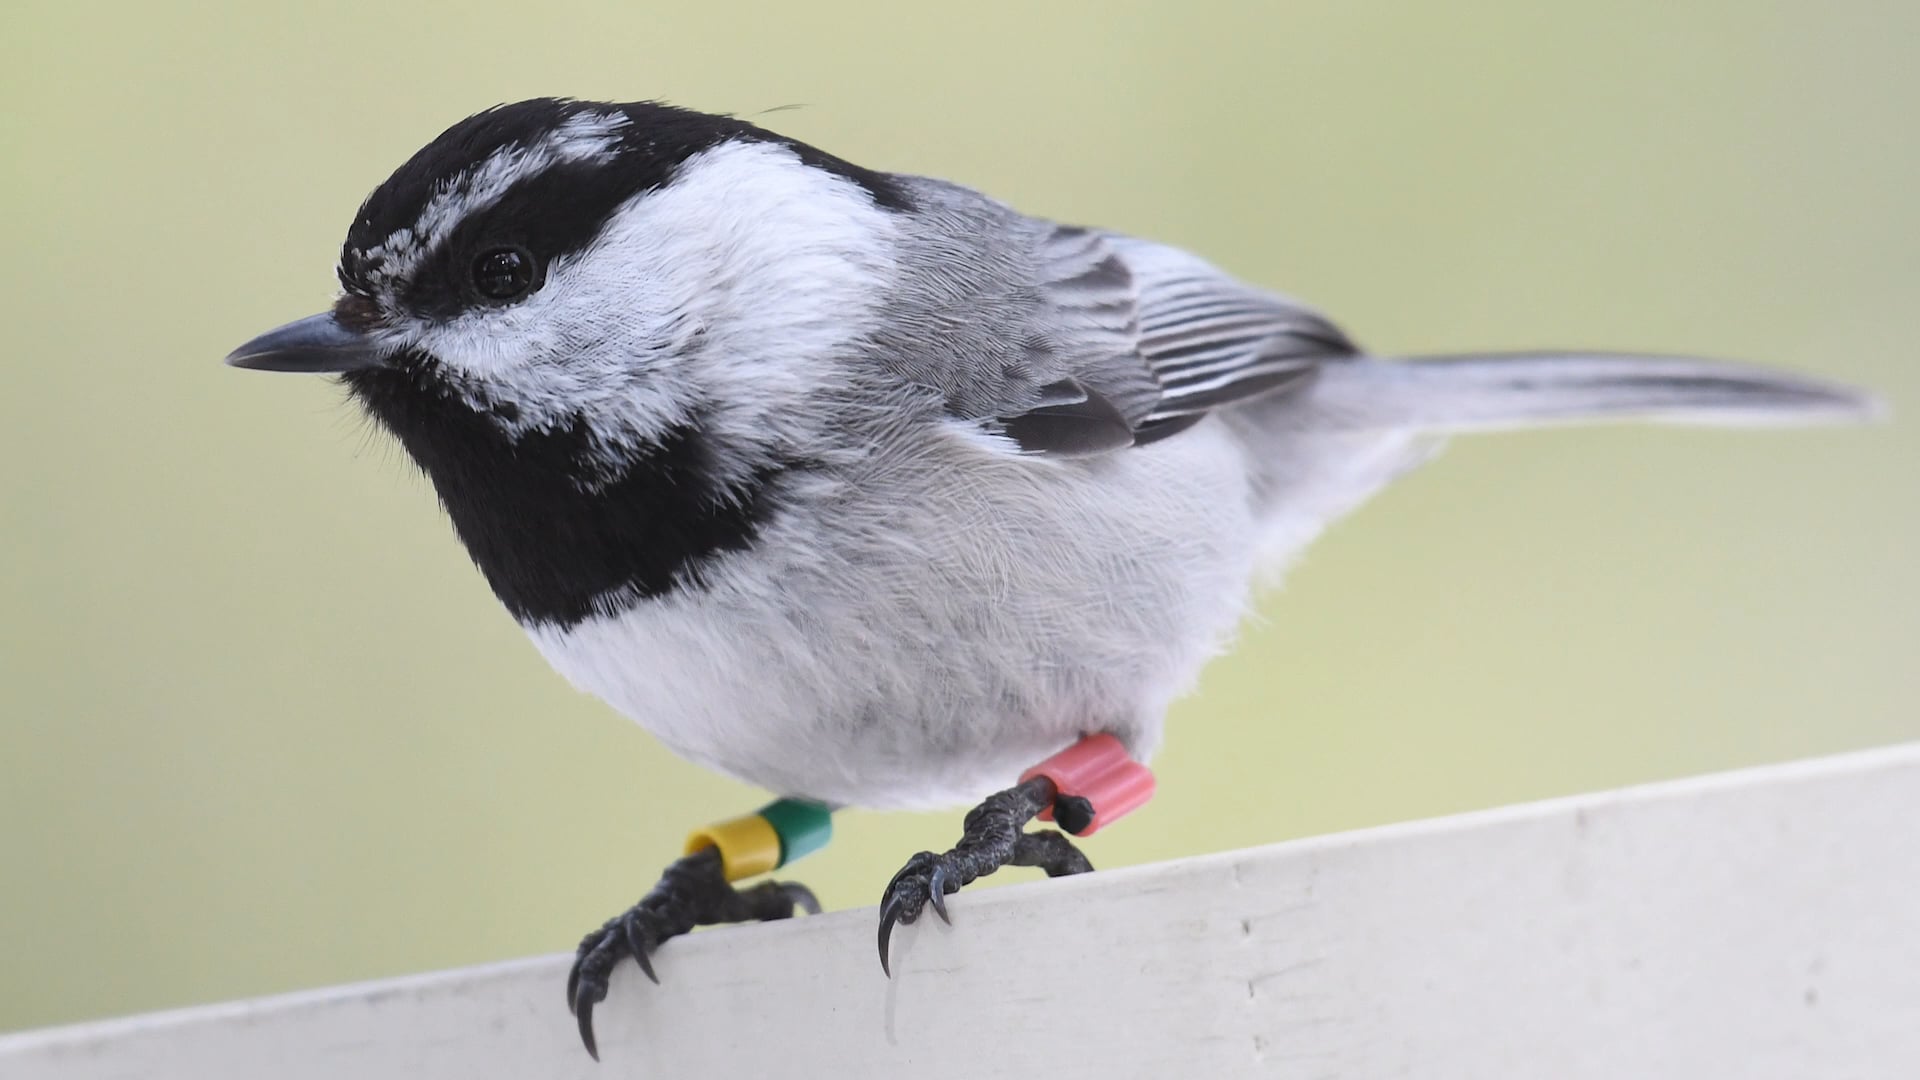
column 264, row 727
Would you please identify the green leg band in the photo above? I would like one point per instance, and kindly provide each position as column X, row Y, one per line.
column 804, row 827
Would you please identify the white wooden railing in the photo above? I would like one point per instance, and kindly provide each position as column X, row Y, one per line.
column 1763, row 923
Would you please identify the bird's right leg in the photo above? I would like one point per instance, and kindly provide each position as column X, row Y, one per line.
column 698, row 890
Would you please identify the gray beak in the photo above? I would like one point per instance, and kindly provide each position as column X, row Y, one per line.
column 317, row 343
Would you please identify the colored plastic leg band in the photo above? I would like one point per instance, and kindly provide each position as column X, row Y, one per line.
column 1098, row 784
column 772, row 837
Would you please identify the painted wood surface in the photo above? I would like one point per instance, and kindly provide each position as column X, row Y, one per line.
column 1763, row 923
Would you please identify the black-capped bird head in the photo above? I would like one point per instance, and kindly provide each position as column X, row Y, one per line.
column 592, row 322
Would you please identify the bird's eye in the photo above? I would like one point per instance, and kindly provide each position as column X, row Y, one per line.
column 503, row 273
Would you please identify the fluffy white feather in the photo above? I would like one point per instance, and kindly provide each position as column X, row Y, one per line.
column 892, row 652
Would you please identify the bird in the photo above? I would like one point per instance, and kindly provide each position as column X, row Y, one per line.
column 866, row 488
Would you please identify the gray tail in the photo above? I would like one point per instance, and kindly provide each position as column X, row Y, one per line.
column 1492, row 391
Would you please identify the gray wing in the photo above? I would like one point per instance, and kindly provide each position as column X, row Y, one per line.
column 1150, row 339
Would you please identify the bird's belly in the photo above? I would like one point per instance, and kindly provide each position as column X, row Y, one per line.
column 803, row 718
column 877, row 654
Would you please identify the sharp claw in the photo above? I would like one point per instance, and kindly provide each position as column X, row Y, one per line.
column 803, row 896
column 573, row 983
column 637, row 945
column 585, row 1012
column 938, row 893
column 889, row 913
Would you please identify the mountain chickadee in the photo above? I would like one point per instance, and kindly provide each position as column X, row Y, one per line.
column 865, row 488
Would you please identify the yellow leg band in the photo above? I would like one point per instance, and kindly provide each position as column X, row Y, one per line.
column 748, row 845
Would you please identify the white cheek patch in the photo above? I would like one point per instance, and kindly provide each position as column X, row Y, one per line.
column 730, row 292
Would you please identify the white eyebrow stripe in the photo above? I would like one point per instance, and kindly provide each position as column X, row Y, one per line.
column 586, row 137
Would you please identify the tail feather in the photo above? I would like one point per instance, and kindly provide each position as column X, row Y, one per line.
column 1494, row 391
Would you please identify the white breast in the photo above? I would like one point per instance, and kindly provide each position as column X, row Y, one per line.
column 917, row 638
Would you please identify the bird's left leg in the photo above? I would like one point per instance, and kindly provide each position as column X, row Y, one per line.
column 1083, row 787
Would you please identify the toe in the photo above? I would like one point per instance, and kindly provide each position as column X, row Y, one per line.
column 638, row 943
column 903, row 899
column 801, row 896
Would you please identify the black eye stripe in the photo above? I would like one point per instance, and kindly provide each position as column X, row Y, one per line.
column 548, row 215
column 398, row 203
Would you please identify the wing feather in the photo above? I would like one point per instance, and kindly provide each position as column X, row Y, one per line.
column 1071, row 341
column 1164, row 335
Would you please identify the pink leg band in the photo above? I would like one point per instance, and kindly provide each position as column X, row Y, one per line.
column 1098, row 770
